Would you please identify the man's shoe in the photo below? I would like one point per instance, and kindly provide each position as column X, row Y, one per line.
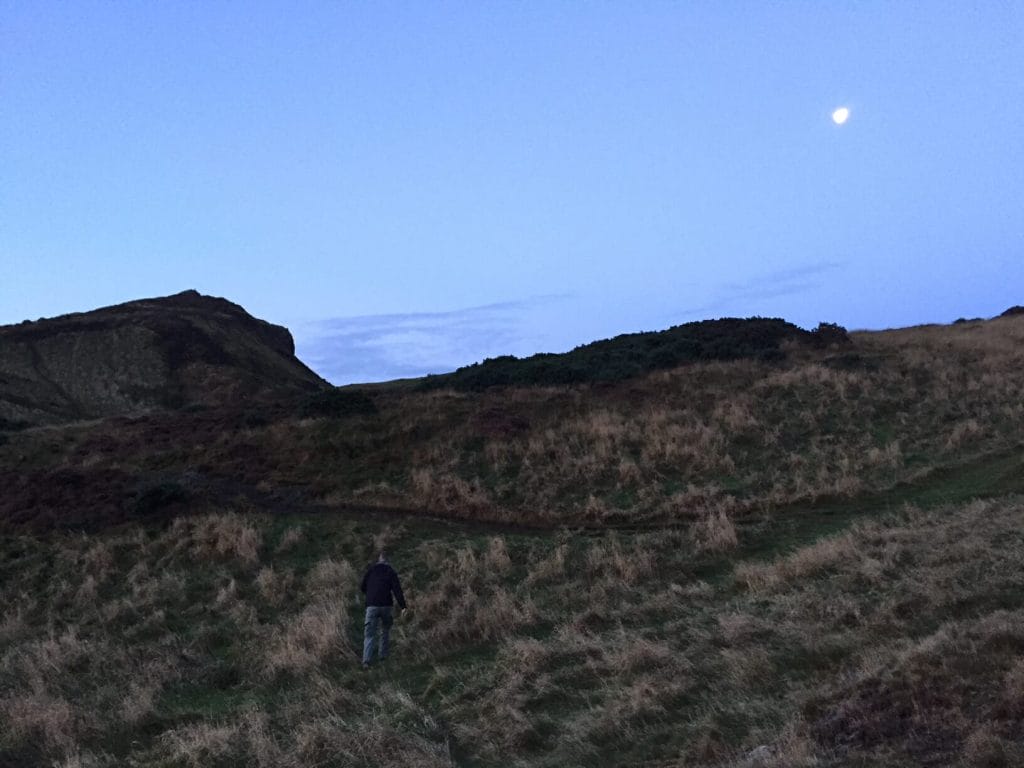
column 366, row 666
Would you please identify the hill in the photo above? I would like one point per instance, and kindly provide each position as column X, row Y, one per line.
column 707, row 439
column 808, row 559
column 635, row 354
column 153, row 353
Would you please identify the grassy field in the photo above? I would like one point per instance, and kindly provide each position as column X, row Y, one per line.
column 225, row 639
column 812, row 562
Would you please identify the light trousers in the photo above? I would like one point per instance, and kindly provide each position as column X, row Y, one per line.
column 377, row 615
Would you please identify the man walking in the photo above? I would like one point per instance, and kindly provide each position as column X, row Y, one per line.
column 379, row 584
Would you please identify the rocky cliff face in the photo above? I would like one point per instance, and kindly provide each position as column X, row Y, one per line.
column 153, row 353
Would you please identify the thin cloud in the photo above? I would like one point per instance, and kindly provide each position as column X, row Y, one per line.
column 737, row 296
column 783, row 281
column 383, row 347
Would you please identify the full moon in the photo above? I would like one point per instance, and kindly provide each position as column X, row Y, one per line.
column 840, row 116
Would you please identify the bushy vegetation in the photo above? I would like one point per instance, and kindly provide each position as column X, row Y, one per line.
column 12, row 424
column 337, row 403
column 635, row 354
column 154, row 499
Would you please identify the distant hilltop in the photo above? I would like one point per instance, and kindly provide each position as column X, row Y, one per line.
column 152, row 353
column 635, row 354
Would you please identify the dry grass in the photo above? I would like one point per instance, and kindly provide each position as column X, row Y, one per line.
column 986, row 749
column 805, row 563
column 291, row 539
column 447, row 493
column 305, row 640
column 715, row 532
column 50, row 720
column 744, row 435
column 897, row 641
column 550, row 568
column 218, row 535
column 230, row 639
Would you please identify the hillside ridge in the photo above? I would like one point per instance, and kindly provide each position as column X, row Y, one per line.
column 161, row 352
column 629, row 355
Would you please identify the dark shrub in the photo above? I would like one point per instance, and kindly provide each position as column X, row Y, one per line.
column 850, row 361
column 336, row 403
column 498, row 422
column 157, row 497
column 828, row 334
column 635, row 354
column 1018, row 310
column 254, row 420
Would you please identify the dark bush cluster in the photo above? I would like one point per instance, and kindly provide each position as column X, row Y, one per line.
column 1018, row 310
column 336, row 403
column 155, row 498
column 11, row 425
column 828, row 335
column 635, row 354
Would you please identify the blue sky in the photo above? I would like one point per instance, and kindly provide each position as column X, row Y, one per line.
column 412, row 187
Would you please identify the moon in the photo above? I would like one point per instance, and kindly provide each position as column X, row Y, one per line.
column 841, row 115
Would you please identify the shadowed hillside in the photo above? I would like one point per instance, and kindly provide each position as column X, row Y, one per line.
column 635, row 354
column 705, row 441
column 153, row 353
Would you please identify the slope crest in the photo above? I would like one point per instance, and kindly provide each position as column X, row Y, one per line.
column 634, row 354
column 151, row 353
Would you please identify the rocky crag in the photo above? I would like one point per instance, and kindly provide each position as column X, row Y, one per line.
column 149, row 354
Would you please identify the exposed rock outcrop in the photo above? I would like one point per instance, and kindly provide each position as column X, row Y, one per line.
column 152, row 353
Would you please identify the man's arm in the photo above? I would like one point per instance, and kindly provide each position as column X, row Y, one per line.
column 396, row 589
column 362, row 587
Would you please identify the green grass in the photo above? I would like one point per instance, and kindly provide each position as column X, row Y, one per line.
column 981, row 477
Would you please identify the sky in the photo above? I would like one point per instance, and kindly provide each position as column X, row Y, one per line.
column 411, row 187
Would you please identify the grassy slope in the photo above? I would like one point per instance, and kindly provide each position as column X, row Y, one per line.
column 815, row 591
column 231, row 640
column 737, row 437
column 727, row 438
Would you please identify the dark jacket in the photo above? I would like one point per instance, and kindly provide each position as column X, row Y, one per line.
column 379, row 583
